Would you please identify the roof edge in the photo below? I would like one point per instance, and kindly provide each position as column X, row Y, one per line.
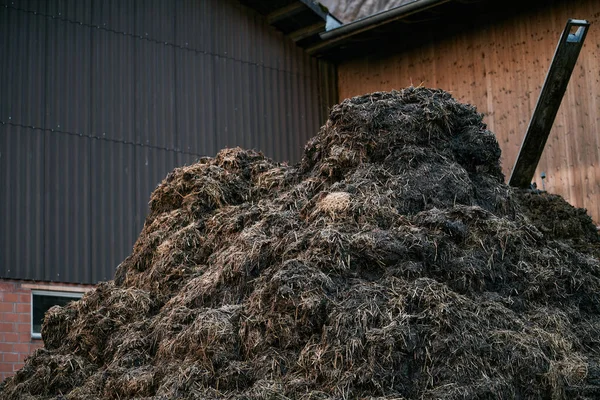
column 344, row 31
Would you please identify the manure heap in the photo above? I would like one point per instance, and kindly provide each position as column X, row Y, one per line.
column 392, row 262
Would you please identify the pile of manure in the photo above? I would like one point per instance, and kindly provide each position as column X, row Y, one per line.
column 391, row 263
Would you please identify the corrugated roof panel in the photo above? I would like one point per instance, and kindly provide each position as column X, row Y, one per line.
column 23, row 68
column 151, row 167
column 260, row 105
column 194, row 24
column 22, row 75
column 5, row 62
column 220, row 90
column 67, row 217
column 68, row 83
column 22, row 213
column 270, row 143
column 71, row 10
column 155, row 19
column 113, row 113
column 31, row 6
column 290, row 93
column 112, row 207
column 195, row 102
column 114, row 15
column 155, row 94
column 253, row 33
column 300, row 107
column 249, row 135
column 113, row 88
column 236, row 113
column 186, row 159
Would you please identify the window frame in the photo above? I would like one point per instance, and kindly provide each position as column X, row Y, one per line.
column 53, row 293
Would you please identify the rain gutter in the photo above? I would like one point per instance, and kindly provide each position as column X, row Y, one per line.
column 335, row 35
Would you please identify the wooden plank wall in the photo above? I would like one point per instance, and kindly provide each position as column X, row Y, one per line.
column 501, row 69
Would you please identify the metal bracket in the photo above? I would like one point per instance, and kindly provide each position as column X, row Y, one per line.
column 555, row 85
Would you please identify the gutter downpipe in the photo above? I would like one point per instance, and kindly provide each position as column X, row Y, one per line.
column 335, row 35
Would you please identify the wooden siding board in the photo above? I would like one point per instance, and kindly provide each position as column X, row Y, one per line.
column 500, row 67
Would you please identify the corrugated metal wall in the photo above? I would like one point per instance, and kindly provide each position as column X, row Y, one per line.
column 100, row 99
column 500, row 67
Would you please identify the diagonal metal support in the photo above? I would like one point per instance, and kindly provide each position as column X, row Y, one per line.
column 554, row 88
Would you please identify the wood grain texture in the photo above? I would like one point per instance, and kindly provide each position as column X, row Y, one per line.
column 500, row 68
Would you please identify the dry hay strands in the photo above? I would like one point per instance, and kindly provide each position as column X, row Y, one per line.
column 392, row 263
column 46, row 374
column 91, row 321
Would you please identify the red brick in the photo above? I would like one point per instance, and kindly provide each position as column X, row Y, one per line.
column 25, row 337
column 23, row 356
column 11, row 337
column 17, row 366
column 6, row 348
column 6, row 367
column 7, row 307
column 23, row 308
column 23, row 328
column 11, row 297
column 26, row 318
column 9, row 317
column 6, row 327
column 7, row 286
column 22, row 348
column 25, row 298
column 10, row 357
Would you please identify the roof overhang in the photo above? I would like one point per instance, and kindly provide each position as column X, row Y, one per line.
column 412, row 24
column 301, row 20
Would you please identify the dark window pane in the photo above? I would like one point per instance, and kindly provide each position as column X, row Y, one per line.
column 42, row 303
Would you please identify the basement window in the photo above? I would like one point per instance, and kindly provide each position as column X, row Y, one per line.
column 42, row 301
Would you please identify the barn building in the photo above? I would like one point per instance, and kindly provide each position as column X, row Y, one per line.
column 100, row 99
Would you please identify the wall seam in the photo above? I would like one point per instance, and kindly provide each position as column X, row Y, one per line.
column 45, row 144
column 90, row 270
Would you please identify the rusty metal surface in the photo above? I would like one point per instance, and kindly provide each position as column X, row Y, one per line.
column 101, row 99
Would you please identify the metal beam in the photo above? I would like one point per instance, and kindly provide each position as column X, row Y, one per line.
column 308, row 31
column 285, row 12
column 555, row 85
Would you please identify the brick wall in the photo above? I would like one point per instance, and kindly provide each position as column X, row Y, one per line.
column 16, row 342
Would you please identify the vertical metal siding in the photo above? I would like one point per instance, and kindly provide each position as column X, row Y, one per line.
column 112, row 206
column 102, row 98
column 194, row 77
column 22, row 72
column 152, row 165
column 155, row 73
column 112, row 80
column 328, row 88
column 113, row 16
column 67, row 221
column 154, row 95
column 71, row 10
column 194, row 102
column 21, row 203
